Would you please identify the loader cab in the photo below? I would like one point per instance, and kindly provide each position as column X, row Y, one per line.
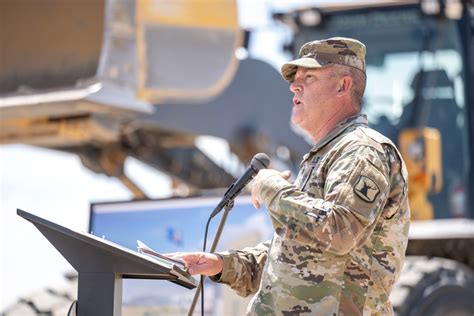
column 418, row 79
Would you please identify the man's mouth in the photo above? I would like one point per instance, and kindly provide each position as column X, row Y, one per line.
column 296, row 101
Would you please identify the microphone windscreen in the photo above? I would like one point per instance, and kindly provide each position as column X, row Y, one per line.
column 260, row 161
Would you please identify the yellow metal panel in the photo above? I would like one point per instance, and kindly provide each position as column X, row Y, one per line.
column 212, row 17
column 421, row 150
column 426, row 169
column 189, row 13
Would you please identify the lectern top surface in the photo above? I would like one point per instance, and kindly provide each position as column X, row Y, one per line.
column 104, row 255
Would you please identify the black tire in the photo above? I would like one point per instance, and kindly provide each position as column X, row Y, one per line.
column 434, row 287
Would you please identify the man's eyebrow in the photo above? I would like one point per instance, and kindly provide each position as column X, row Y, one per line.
column 307, row 73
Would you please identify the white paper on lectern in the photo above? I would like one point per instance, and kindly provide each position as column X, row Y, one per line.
column 144, row 249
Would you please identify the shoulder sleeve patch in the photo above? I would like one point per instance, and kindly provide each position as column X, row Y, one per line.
column 366, row 189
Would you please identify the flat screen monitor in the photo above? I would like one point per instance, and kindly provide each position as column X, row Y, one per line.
column 172, row 225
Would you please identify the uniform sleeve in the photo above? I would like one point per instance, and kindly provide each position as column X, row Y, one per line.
column 355, row 191
column 243, row 268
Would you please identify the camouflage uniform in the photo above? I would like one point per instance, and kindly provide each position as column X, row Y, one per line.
column 341, row 231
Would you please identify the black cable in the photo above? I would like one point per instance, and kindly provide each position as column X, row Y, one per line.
column 202, row 295
column 72, row 308
column 202, row 276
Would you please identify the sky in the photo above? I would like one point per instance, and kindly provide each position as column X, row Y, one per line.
column 56, row 186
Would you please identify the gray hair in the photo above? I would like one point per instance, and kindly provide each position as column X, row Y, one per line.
column 359, row 81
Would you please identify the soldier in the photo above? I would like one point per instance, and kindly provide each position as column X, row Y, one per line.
column 341, row 228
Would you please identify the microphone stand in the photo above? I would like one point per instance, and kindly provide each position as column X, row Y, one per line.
column 227, row 209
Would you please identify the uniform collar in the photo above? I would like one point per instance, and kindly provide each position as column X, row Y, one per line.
column 358, row 119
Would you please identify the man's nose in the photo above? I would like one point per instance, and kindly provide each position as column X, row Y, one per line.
column 295, row 87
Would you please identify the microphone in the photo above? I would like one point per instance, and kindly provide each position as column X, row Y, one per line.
column 259, row 161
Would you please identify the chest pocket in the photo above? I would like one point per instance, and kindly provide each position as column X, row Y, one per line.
column 305, row 174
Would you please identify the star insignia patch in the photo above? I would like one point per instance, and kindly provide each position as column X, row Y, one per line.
column 366, row 189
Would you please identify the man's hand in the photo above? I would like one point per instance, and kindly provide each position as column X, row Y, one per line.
column 199, row 262
column 262, row 175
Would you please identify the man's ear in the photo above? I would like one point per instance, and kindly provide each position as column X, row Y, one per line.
column 345, row 86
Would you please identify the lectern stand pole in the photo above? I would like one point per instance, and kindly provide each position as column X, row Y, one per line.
column 99, row 294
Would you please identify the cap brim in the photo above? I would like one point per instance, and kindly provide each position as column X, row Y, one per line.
column 288, row 70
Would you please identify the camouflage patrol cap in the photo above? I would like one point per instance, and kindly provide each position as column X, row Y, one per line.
column 322, row 53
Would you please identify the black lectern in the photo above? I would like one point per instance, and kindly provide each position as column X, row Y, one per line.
column 102, row 265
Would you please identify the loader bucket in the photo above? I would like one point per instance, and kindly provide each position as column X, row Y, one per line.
column 146, row 45
column 112, row 58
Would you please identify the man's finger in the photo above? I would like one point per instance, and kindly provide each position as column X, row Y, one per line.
column 254, row 197
column 285, row 174
column 177, row 255
column 192, row 270
column 198, row 268
column 172, row 254
column 255, row 202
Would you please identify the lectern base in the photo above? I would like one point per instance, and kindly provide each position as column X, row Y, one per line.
column 99, row 294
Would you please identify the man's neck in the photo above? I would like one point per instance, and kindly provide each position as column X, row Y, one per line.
column 336, row 118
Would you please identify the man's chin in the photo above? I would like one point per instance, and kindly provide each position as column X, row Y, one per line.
column 295, row 119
